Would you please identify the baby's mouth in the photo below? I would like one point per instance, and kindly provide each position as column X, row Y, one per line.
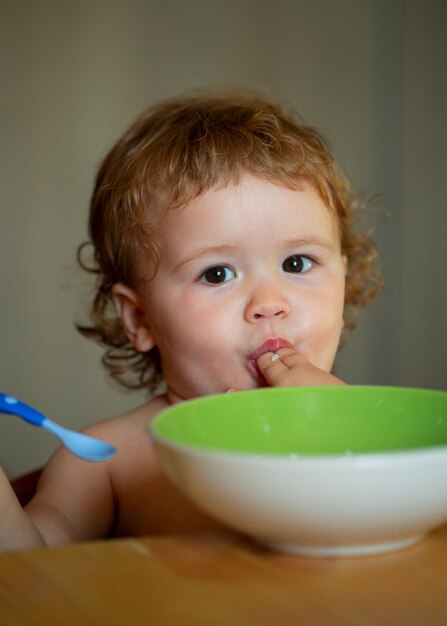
column 269, row 345
column 272, row 344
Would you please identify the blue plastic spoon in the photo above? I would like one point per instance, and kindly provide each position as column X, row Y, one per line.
column 83, row 446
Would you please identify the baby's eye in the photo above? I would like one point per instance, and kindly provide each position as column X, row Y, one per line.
column 297, row 264
column 217, row 274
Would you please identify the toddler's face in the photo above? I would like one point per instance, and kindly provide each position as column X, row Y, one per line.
column 244, row 268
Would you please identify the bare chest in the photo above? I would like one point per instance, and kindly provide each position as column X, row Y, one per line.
column 148, row 504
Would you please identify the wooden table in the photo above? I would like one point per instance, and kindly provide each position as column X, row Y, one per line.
column 221, row 580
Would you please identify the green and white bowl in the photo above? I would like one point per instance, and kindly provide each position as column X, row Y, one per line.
column 322, row 471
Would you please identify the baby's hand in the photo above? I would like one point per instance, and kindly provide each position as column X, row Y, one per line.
column 288, row 368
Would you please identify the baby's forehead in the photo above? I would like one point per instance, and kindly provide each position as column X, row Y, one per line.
column 235, row 184
column 231, row 208
column 226, row 193
column 169, row 215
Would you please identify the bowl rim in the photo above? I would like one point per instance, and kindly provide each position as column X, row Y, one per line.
column 421, row 454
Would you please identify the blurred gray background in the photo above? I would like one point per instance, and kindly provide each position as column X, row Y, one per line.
column 370, row 73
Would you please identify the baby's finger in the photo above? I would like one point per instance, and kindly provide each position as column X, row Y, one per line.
column 271, row 367
column 291, row 358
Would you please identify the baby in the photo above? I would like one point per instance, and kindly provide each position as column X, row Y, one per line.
column 225, row 261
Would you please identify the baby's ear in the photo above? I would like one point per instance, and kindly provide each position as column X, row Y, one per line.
column 133, row 318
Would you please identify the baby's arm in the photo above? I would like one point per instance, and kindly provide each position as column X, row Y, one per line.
column 288, row 368
column 16, row 529
column 73, row 501
column 80, row 500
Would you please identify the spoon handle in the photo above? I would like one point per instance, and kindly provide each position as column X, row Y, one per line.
column 83, row 446
column 11, row 405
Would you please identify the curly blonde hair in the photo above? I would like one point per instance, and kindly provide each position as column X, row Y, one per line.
column 176, row 151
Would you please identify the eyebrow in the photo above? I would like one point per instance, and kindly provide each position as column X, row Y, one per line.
column 320, row 242
column 225, row 249
column 197, row 254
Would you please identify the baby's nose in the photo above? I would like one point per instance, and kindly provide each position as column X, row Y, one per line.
column 265, row 304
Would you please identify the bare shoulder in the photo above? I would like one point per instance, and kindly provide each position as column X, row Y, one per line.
column 146, row 502
column 126, row 428
column 127, row 495
column 76, row 499
column 129, row 433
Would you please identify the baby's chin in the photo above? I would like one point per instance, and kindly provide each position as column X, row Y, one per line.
column 257, row 384
column 207, row 388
